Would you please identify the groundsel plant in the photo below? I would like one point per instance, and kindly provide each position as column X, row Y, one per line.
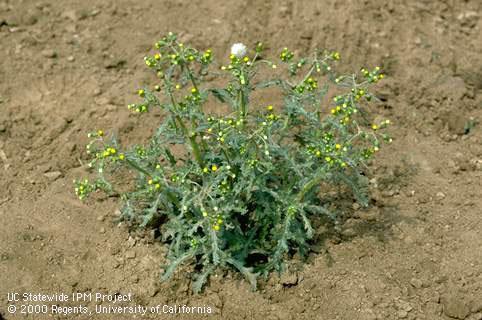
column 245, row 189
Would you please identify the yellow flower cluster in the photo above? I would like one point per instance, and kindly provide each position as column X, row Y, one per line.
column 213, row 169
column 383, row 124
column 97, row 134
column 329, row 150
column 83, row 188
column 311, row 84
column 109, row 152
column 215, row 220
column 140, row 108
column 270, row 116
column 286, row 55
column 154, row 184
column 373, row 76
column 207, row 57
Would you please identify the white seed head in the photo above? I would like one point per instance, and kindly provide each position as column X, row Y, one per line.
column 239, row 50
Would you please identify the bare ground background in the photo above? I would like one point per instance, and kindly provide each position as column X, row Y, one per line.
column 69, row 67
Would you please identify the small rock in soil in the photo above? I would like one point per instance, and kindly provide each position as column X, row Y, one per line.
column 440, row 279
column 53, row 175
column 71, row 15
column 95, row 12
column 369, row 215
column 388, row 193
column 417, row 283
column 476, row 305
column 456, row 124
column 97, row 92
column 455, row 307
column 349, row 232
column 468, row 18
column 405, row 306
column 461, row 161
column 289, row 279
column 44, row 168
column 131, row 241
column 440, row 196
column 130, row 254
column 30, row 19
column 476, row 164
column 284, row 11
column 152, row 289
column 49, row 53
column 3, row 156
column 115, row 64
column 183, row 288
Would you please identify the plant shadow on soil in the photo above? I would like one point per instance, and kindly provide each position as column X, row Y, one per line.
column 376, row 220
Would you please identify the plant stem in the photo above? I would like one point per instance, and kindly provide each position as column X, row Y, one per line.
column 226, row 155
column 191, row 77
column 306, row 76
column 241, row 103
column 134, row 165
column 196, row 151
column 192, row 139
column 309, row 185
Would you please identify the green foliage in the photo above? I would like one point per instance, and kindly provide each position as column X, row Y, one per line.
column 245, row 189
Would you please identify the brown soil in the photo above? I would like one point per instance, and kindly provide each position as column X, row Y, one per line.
column 69, row 67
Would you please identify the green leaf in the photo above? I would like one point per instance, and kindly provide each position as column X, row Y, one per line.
column 247, row 272
column 307, row 225
column 175, row 263
column 223, row 96
column 268, row 83
column 201, row 279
